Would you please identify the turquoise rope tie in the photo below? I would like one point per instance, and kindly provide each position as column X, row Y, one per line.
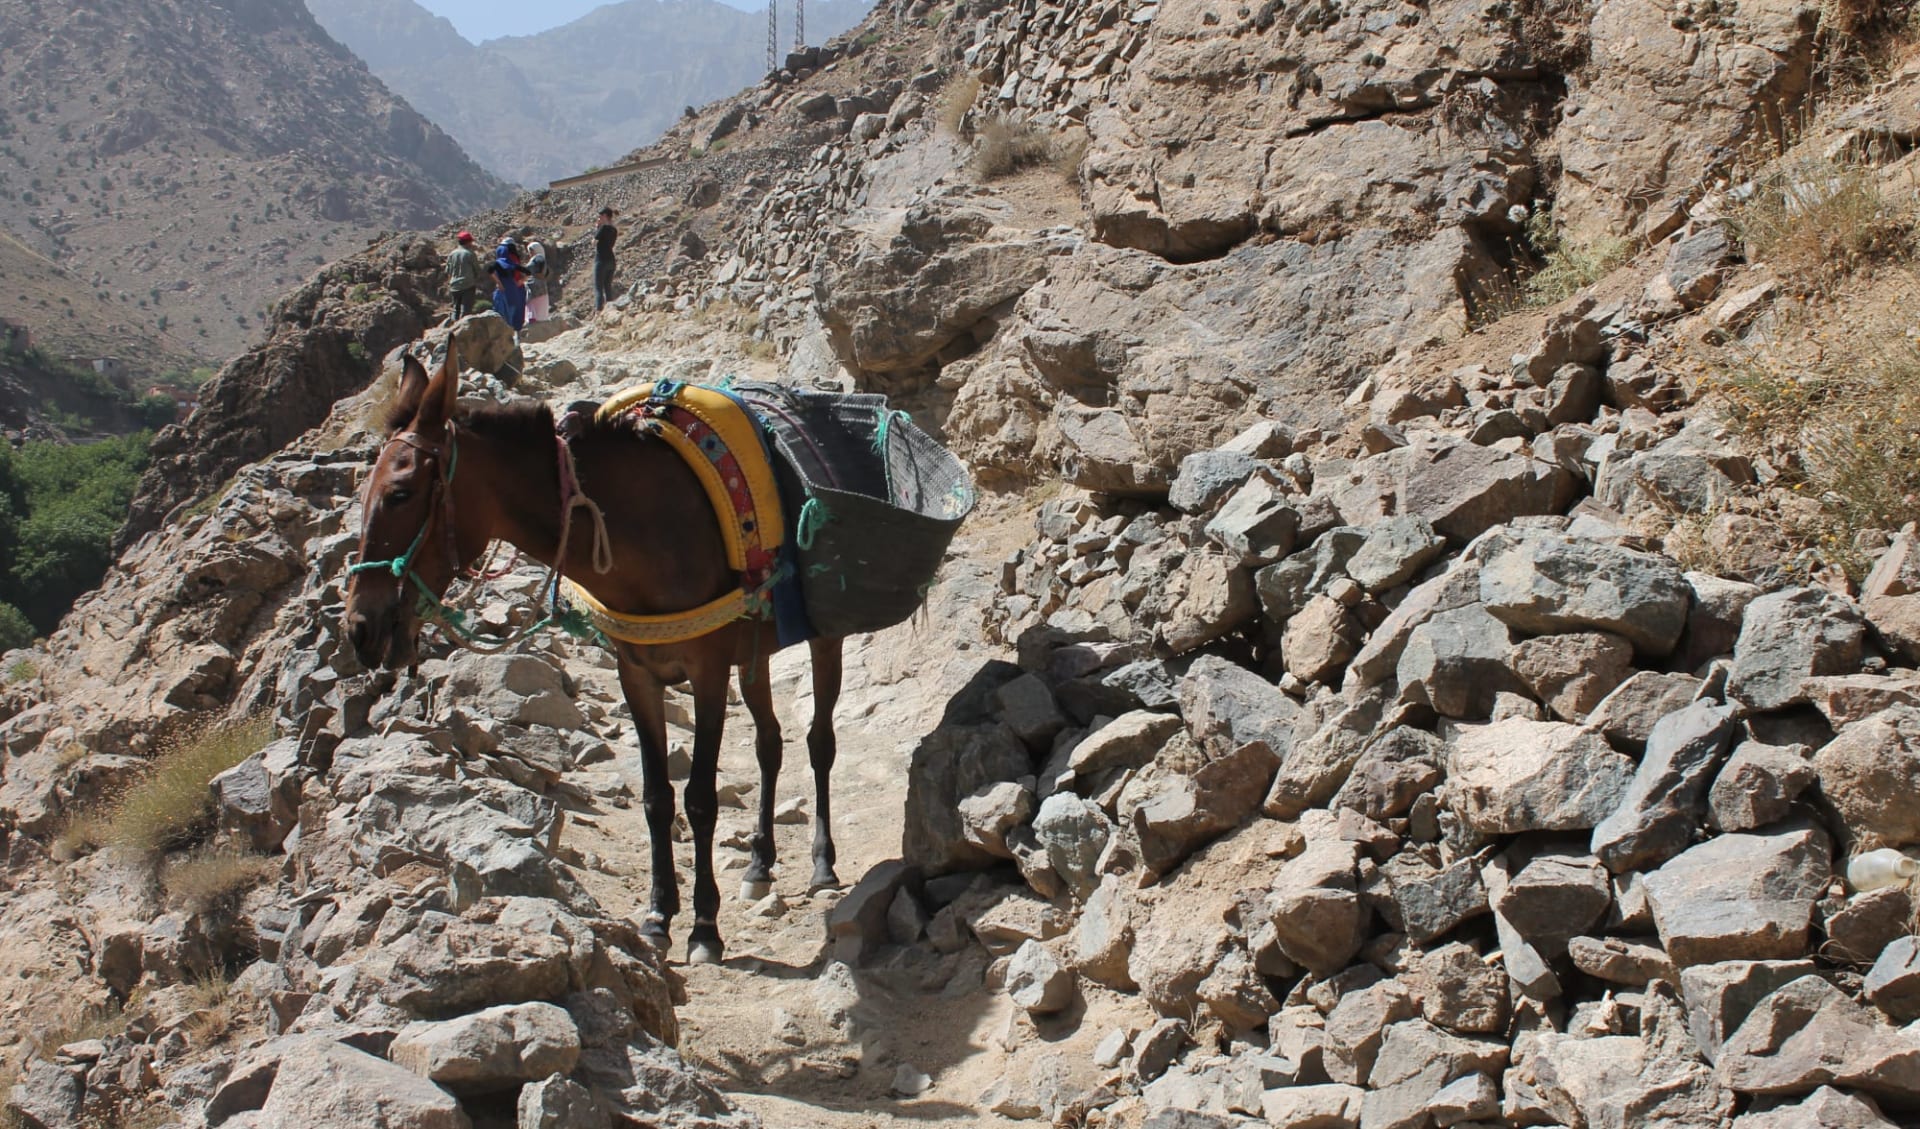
column 813, row 517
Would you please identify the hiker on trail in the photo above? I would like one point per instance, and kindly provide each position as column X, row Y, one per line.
column 603, row 237
column 463, row 275
column 537, row 275
column 510, row 284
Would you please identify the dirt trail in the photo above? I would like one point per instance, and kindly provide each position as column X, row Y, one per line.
column 801, row 1039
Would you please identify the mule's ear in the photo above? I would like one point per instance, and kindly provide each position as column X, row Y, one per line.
column 443, row 391
column 406, row 401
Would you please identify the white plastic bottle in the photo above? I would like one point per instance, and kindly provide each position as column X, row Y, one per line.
column 1884, row 867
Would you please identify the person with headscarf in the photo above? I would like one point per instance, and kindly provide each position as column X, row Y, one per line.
column 510, row 284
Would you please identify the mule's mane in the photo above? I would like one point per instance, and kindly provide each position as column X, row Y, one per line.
column 522, row 422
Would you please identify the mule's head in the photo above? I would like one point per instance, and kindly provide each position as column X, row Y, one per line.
column 406, row 535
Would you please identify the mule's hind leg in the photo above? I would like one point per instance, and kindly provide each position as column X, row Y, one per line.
column 756, row 690
column 646, row 698
column 708, row 673
column 821, row 750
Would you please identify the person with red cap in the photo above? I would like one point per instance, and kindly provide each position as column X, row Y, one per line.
column 463, row 275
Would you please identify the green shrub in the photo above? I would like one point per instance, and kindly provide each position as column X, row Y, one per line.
column 1567, row 267
column 15, row 632
column 60, row 505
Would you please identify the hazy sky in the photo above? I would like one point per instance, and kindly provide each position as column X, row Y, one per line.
column 489, row 19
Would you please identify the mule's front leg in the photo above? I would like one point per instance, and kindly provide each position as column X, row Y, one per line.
column 646, row 698
column 756, row 690
column 822, row 749
column 703, row 807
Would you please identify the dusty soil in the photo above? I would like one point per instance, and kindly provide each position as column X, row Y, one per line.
column 805, row 1041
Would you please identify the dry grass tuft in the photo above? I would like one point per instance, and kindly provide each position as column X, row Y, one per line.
column 1844, row 430
column 168, row 805
column 1004, row 147
column 1816, row 221
column 210, row 876
column 215, row 1011
column 956, row 98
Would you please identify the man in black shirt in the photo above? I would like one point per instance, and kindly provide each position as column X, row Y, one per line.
column 603, row 237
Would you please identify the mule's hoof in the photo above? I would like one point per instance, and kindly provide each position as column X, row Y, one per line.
column 823, row 880
column 753, row 891
column 704, row 952
column 654, row 932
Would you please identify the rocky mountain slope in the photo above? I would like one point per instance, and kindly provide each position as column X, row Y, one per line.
column 1380, row 690
column 540, row 107
column 187, row 159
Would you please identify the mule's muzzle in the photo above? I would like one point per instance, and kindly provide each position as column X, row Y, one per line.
column 380, row 640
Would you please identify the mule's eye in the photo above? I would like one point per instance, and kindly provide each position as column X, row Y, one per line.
column 400, row 497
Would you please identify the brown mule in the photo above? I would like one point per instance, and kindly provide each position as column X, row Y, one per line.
column 451, row 480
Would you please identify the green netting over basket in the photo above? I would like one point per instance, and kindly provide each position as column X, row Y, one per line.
column 877, row 499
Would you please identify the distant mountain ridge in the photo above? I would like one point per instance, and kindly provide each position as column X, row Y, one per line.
column 539, row 107
column 190, row 160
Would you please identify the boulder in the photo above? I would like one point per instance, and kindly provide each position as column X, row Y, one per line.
column 1720, row 996
column 1713, row 622
column 1457, row 587
column 1869, row 773
column 1392, row 771
column 1741, row 896
column 1417, row 1060
column 1026, row 706
column 1462, row 489
column 1128, row 741
column 556, row 1102
column 1618, row 961
column 1316, row 911
column 1073, row 832
column 1542, row 584
column 1176, row 813
column 1519, row 775
column 1357, row 1025
column 1327, row 1106
column 1825, row 1108
column 1459, row 991
column 1207, row 597
column 1808, row 1034
column 1286, row 587
column 893, row 294
column 1667, row 800
column 1394, row 552
column 1553, row 897
column 1627, row 716
column 1431, row 901
column 988, row 814
column 1861, row 927
column 1318, row 764
column 950, row 764
column 1758, row 785
column 322, row 1084
column 1571, row 674
column 1456, row 662
column 517, row 689
column 1893, row 984
column 1037, row 981
column 1103, row 937
column 496, row 1049
column 1228, row 707
column 1320, row 639
column 1790, row 636
column 1257, row 525
column 1891, row 597
column 1207, row 477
